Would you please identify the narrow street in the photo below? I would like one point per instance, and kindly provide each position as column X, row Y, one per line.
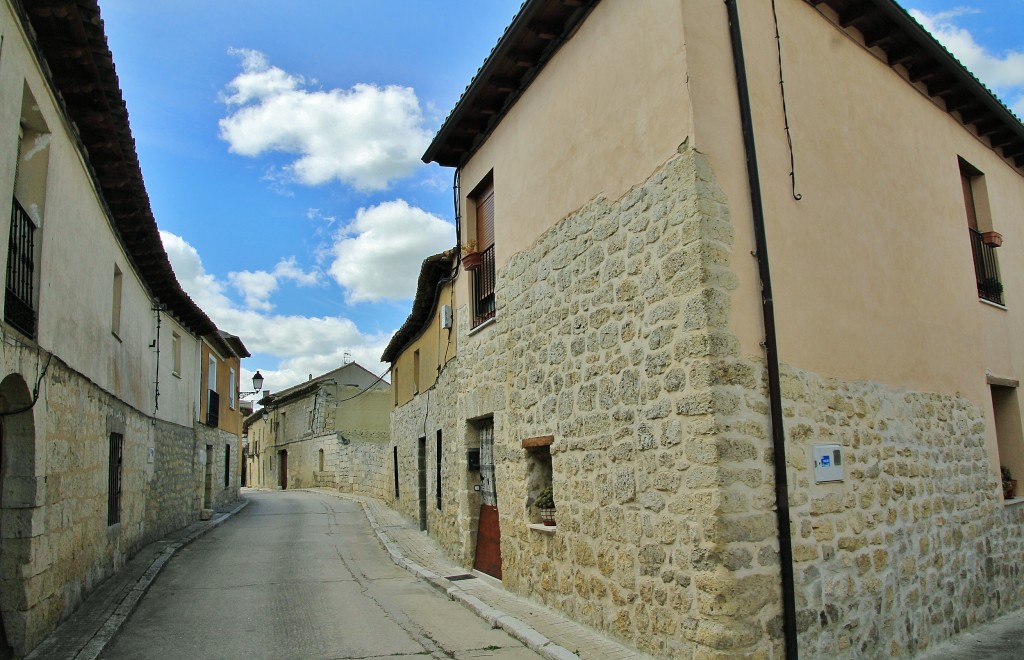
column 299, row 575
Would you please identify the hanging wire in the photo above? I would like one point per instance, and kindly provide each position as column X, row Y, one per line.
column 35, row 390
column 368, row 387
column 785, row 113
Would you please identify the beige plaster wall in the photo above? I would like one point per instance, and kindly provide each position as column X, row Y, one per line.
column 436, row 345
column 621, row 79
column 885, row 288
column 78, row 252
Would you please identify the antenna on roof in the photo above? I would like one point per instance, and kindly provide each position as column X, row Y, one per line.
column 347, row 358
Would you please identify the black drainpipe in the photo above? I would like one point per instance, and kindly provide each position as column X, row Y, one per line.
column 771, row 348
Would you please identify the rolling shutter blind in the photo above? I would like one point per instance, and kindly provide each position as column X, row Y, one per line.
column 485, row 219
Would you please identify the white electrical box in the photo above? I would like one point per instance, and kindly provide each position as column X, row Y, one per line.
column 446, row 317
column 828, row 463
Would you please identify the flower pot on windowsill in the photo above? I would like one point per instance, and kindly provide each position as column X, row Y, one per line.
column 1009, row 489
column 472, row 260
column 547, row 516
column 992, row 238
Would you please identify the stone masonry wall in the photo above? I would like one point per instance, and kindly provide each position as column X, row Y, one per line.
column 222, row 493
column 612, row 335
column 172, row 500
column 57, row 545
column 363, row 470
column 915, row 545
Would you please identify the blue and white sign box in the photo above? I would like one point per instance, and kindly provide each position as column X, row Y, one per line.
column 828, row 463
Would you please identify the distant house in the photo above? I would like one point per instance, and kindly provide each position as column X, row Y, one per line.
column 220, row 417
column 101, row 379
column 331, row 431
column 759, row 339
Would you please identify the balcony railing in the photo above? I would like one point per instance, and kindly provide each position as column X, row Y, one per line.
column 986, row 269
column 483, row 288
column 213, row 409
column 19, row 309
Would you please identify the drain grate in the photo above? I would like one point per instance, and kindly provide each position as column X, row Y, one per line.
column 464, row 576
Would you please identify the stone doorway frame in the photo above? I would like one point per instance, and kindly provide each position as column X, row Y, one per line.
column 21, row 494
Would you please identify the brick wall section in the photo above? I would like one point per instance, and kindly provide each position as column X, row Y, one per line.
column 612, row 334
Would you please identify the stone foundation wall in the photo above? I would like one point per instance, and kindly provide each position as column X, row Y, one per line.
column 222, row 493
column 57, row 545
column 915, row 545
column 172, row 500
column 612, row 335
column 362, row 468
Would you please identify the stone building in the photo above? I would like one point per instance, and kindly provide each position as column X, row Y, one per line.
column 219, row 432
column 331, row 432
column 100, row 366
column 745, row 460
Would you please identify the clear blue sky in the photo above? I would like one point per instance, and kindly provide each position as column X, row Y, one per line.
column 280, row 146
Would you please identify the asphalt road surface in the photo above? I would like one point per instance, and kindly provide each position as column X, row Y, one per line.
column 299, row 575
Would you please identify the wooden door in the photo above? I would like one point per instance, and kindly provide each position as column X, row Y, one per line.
column 488, row 537
column 283, row 469
column 421, row 472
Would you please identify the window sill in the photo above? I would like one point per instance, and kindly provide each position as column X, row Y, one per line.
column 1013, row 501
column 488, row 322
column 547, row 529
column 992, row 304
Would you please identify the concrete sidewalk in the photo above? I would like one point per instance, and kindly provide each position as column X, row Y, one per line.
column 85, row 634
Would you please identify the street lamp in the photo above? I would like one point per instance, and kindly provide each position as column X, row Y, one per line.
column 257, row 385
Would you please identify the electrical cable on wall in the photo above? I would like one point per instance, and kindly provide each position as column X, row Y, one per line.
column 785, row 113
column 368, row 387
column 35, row 390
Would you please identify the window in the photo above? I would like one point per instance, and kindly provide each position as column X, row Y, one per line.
column 27, row 210
column 1009, row 431
column 416, row 371
column 539, row 473
column 394, row 384
column 321, row 460
column 232, row 389
column 394, row 454
column 115, row 463
column 176, row 354
column 437, row 463
column 484, row 274
column 984, row 241
column 213, row 398
column 115, row 306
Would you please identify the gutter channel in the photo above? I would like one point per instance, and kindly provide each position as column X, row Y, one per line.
column 770, row 345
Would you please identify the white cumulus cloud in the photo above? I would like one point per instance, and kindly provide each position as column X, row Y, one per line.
column 365, row 136
column 301, row 344
column 1003, row 72
column 378, row 255
column 257, row 286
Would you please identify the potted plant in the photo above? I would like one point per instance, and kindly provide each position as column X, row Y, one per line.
column 991, row 286
column 471, row 256
column 992, row 238
column 545, row 504
column 1009, row 483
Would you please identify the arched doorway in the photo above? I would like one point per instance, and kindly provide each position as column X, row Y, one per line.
column 17, row 479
